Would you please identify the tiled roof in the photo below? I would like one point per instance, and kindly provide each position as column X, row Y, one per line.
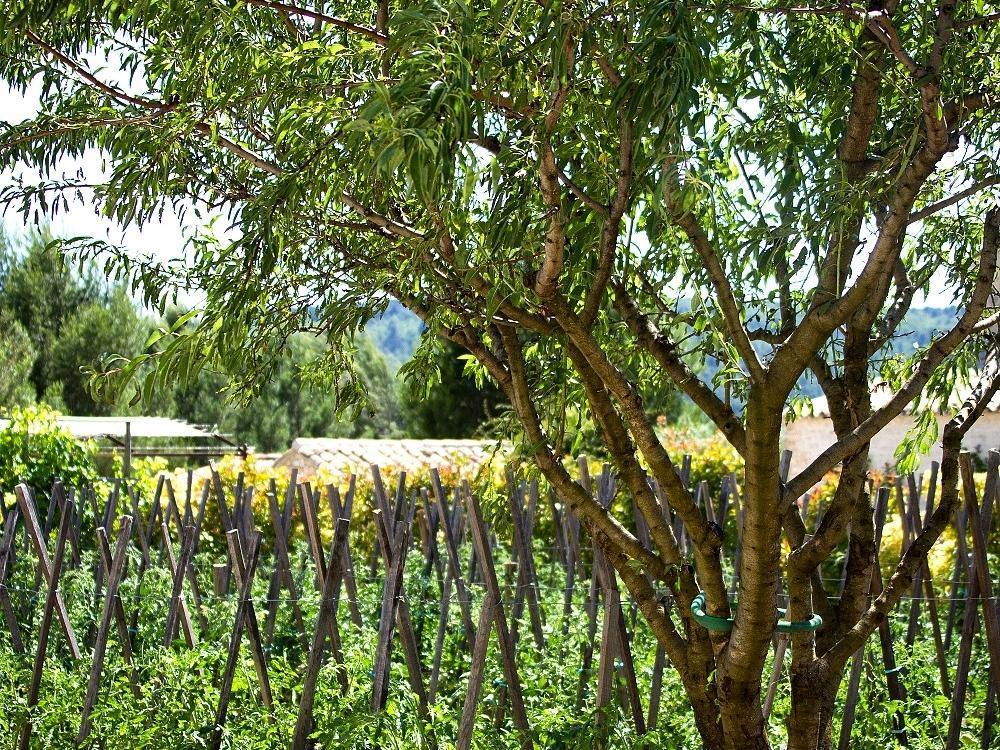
column 338, row 454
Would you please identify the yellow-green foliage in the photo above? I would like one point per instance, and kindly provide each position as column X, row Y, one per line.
column 941, row 558
column 489, row 482
column 712, row 457
column 36, row 451
column 942, row 555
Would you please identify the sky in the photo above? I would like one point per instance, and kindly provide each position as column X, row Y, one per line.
column 164, row 237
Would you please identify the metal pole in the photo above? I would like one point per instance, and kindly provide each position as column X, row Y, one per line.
column 127, row 464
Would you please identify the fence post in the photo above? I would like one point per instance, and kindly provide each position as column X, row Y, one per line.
column 104, row 629
column 507, row 652
column 52, row 600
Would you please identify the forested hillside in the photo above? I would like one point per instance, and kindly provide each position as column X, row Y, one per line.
column 396, row 333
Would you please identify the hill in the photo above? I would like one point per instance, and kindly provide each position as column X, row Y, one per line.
column 396, row 333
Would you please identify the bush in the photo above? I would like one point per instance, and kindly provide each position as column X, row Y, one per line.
column 258, row 476
column 712, row 457
column 36, row 451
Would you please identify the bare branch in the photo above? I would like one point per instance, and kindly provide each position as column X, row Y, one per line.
column 576, row 190
column 608, row 244
column 664, row 352
column 297, row 10
column 961, row 195
column 91, row 79
column 547, row 279
column 987, row 20
column 689, row 224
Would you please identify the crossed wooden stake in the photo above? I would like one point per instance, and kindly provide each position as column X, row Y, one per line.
column 54, row 604
column 327, row 613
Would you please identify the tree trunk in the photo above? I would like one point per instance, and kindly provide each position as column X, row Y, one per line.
column 814, row 693
column 743, row 720
column 706, row 714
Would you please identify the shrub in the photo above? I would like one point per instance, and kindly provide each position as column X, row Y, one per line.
column 36, row 451
column 712, row 457
column 488, row 482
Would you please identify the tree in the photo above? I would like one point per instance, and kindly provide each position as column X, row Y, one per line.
column 453, row 405
column 41, row 292
column 587, row 198
column 288, row 405
column 18, row 357
column 85, row 336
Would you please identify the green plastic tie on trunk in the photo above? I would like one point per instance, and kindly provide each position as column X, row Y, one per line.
column 724, row 624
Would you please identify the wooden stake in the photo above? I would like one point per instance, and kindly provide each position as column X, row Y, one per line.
column 979, row 527
column 970, row 622
column 466, row 725
column 303, row 724
column 6, row 553
column 104, row 629
column 454, row 562
column 27, row 506
column 178, row 604
column 124, row 635
column 52, row 600
column 240, row 567
column 234, row 644
column 507, row 651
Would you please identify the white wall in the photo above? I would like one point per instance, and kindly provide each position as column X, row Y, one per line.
column 807, row 437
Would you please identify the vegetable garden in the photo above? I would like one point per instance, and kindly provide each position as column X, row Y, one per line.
column 217, row 616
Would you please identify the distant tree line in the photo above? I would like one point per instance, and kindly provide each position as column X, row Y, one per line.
column 56, row 321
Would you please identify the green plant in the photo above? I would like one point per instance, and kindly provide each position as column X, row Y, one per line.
column 593, row 200
column 36, row 451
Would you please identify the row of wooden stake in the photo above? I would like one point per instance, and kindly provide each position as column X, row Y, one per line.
column 438, row 523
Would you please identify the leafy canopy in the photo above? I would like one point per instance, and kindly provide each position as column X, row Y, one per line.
column 592, row 200
column 345, row 152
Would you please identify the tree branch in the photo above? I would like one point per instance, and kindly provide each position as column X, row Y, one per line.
column 664, row 351
column 916, row 553
column 937, row 352
column 519, row 393
column 297, row 10
column 611, row 228
column 689, row 224
column 93, row 80
column 961, row 195
column 547, row 279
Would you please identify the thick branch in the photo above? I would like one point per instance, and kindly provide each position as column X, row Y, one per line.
column 937, row 352
column 707, row 539
column 519, row 393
